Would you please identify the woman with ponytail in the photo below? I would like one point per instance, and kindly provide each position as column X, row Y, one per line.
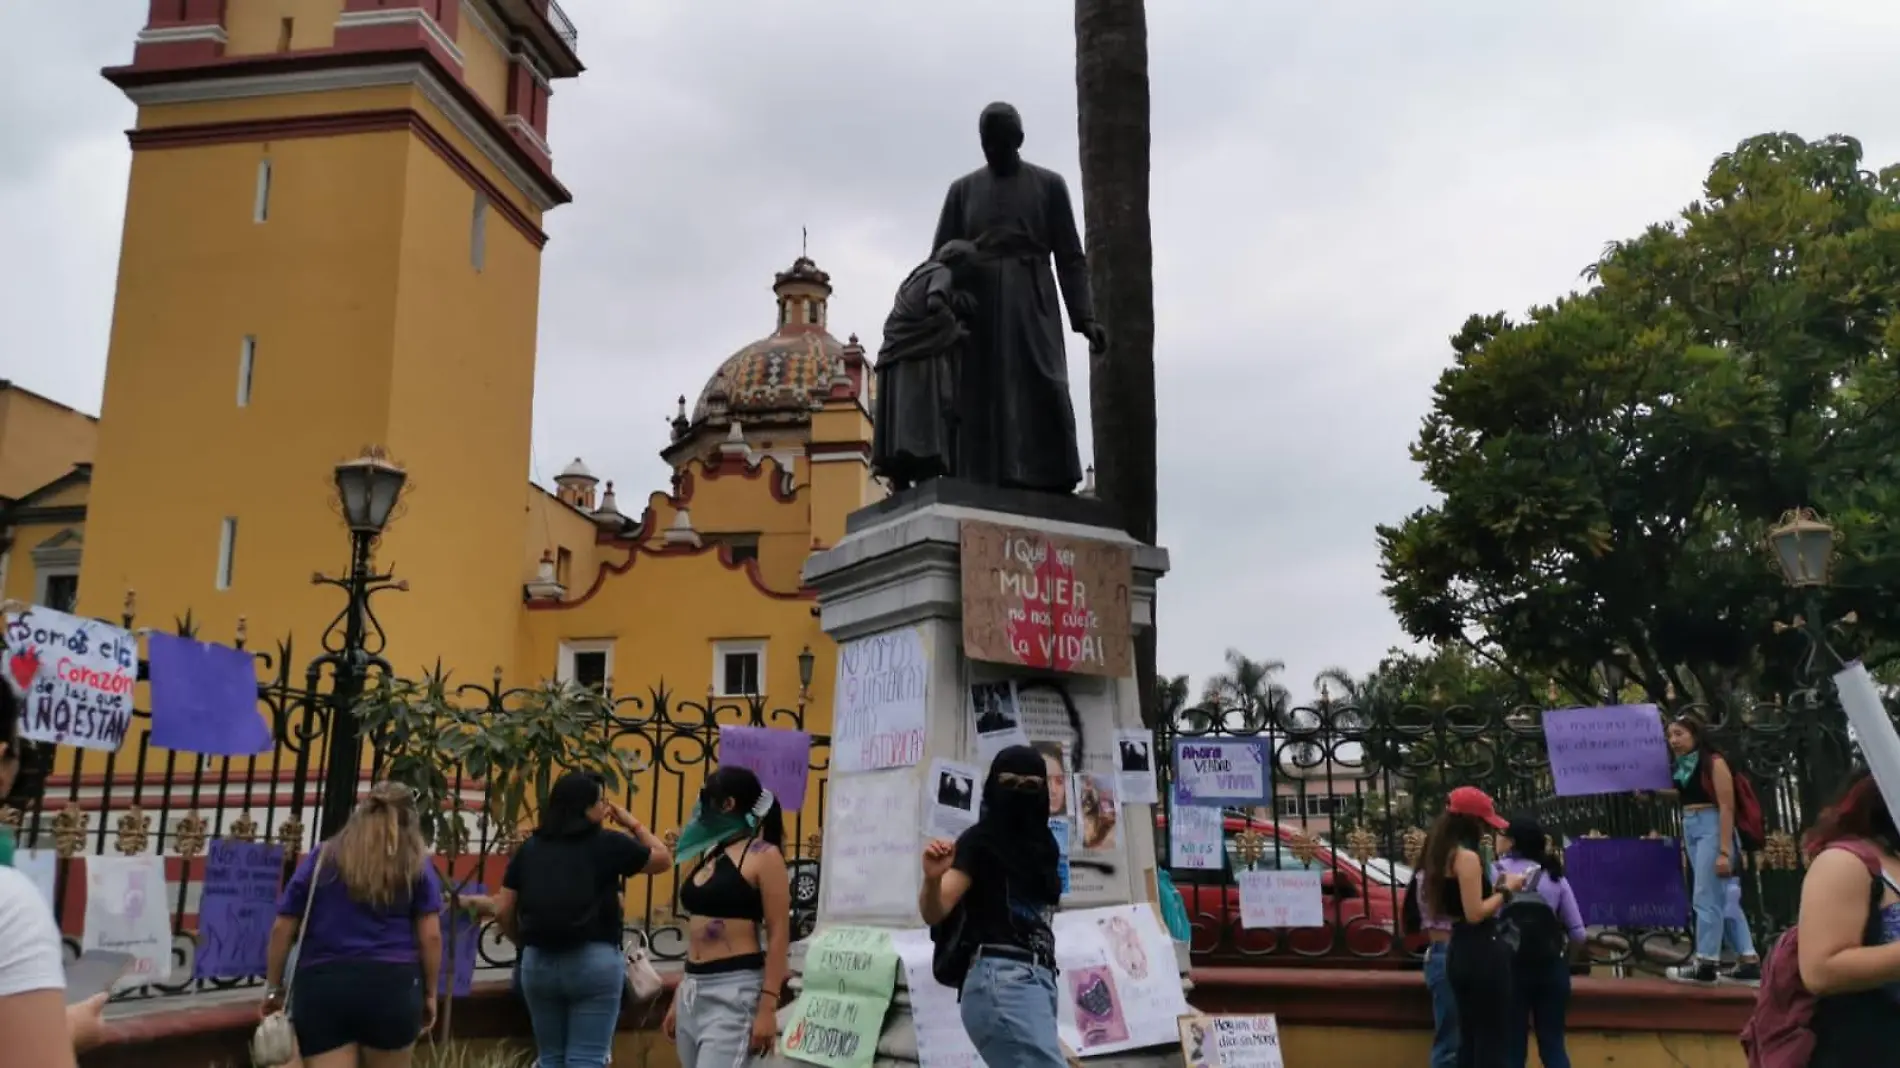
column 1004, row 876
column 367, row 905
column 739, row 897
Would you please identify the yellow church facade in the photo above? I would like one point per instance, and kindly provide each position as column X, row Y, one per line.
column 333, row 240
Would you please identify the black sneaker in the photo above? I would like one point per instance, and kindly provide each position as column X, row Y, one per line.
column 1702, row 971
column 1746, row 973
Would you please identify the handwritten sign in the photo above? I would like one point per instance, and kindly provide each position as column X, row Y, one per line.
column 77, row 677
column 878, row 714
column 237, row 909
column 780, row 758
column 1222, row 771
column 126, row 913
column 872, row 841
column 1194, row 835
column 1045, row 601
column 1231, row 1042
column 1628, row 882
column 1612, row 750
column 1280, row 899
column 934, row 1009
column 850, row 976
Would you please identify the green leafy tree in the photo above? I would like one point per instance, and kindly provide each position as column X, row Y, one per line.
column 438, row 738
column 1172, row 693
column 1608, row 465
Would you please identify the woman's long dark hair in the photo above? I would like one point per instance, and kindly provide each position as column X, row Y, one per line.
column 573, row 795
column 1529, row 842
column 1860, row 812
column 742, row 787
column 1441, row 842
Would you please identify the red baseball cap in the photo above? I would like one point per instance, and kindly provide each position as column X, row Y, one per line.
column 1473, row 802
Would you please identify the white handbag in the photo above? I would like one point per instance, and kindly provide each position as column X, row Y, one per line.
column 274, row 1043
column 643, row 979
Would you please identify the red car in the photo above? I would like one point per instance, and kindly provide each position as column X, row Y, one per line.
column 1361, row 906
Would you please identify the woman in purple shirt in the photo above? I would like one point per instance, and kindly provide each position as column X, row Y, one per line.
column 1542, row 991
column 366, row 975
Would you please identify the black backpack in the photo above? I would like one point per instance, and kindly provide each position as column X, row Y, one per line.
column 558, row 903
column 1531, row 928
column 953, row 947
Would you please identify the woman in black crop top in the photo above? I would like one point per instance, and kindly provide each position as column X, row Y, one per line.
column 1705, row 785
column 737, row 892
column 1457, row 887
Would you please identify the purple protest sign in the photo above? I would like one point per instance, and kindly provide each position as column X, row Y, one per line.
column 237, row 908
column 204, row 698
column 1617, row 749
column 1628, row 882
column 780, row 758
column 463, row 932
column 1213, row 772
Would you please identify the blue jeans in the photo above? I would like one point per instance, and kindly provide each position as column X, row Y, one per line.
column 1009, row 1012
column 1701, row 831
column 573, row 1000
column 1444, row 1008
column 1541, row 999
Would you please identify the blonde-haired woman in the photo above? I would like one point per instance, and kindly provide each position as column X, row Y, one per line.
column 366, row 975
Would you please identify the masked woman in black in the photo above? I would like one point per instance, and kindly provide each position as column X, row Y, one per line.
column 1004, row 873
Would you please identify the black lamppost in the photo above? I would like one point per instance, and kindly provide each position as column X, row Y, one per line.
column 806, row 661
column 1803, row 545
column 367, row 489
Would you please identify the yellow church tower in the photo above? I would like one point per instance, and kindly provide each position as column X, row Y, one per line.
column 332, row 240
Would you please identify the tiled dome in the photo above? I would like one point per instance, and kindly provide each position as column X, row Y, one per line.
column 781, row 377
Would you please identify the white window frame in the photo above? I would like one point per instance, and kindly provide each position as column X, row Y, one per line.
column 227, row 551
column 42, row 580
column 260, row 206
column 247, row 368
column 723, row 649
column 564, row 662
column 478, row 232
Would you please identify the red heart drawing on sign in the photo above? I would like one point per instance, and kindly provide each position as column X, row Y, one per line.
column 23, row 666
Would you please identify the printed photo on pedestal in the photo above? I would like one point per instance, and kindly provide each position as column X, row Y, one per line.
column 1119, row 983
column 997, row 719
column 1134, row 752
column 1098, row 812
column 1081, row 766
column 955, row 791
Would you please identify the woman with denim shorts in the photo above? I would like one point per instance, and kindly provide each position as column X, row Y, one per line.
column 1004, row 871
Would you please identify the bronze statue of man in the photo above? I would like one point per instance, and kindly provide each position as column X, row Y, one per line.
column 1015, row 423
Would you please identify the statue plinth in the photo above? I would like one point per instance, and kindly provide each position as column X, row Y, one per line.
column 899, row 571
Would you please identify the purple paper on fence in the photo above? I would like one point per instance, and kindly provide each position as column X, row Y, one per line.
column 780, row 758
column 463, row 933
column 236, row 909
column 1617, row 749
column 204, row 698
column 1628, row 882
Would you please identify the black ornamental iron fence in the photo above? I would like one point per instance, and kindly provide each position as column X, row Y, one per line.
column 1357, row 786
column 143, row 799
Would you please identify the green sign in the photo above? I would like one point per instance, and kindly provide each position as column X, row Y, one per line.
column 850, row 975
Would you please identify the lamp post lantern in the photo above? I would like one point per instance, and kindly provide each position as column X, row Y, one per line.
column 367, row 490
column 806, row 661
column 1803, row 546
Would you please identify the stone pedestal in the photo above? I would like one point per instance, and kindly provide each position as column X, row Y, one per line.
column 899, row 566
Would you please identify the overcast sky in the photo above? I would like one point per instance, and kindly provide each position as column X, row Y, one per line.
column 1336, row 187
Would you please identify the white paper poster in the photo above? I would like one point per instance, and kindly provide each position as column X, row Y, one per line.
column 76, row 677
column 1281, row 899
column 879, row 714
column 1134, row 751
column 1231, row 1042
column 1194, row 838
column 1098, row 854
column 872, row 849
column 126, row 913
column 1119, row 987
column 954, row 797
column 1873, row 730
column 42, row 867
column 938, row 1017
column 997, row 721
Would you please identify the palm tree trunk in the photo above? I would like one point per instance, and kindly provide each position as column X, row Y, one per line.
column 1111, row 88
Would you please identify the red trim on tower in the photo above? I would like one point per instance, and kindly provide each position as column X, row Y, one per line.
column 181, row 33
column 136, row 75
column 164, row 13
column 339, row 125
column 446, row 14
column 635, row 551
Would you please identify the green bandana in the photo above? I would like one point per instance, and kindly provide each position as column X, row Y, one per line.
column 704, row 833
column 6, row 847
column 1685, row 767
